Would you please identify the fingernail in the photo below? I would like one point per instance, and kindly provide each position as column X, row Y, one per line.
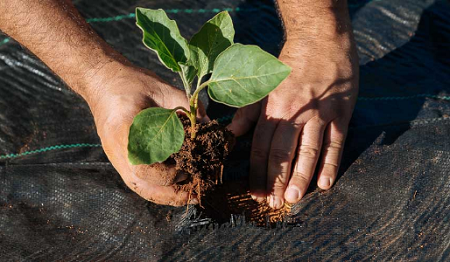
column 292, row 194
column 275, row 202
column 324, row 182
column 181, row 177
column 257, row 199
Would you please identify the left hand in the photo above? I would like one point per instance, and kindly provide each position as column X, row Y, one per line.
column 118, row 93
column 304, row 118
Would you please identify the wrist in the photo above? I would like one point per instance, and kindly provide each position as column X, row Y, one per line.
column 113, row 84
column 320, row 18
column 302, row 47
column 95, row 74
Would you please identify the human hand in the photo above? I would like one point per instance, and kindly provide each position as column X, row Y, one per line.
column 115, row 90
column 121, row 97
column 304, row 118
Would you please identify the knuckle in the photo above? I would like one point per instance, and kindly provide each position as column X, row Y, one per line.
column 300, row 178
column 334, row 144
column 329, row 170
column 333, row 166
column 262, row 128
column 314, row 104
column 308, row 151
column 280, row 182
column 296, row 124
column 319, row 121
column 274, row 102
column 259, row 154
column 279, row 155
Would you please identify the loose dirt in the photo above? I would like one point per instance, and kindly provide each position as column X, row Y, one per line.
column 233, row 198
column 203, row 159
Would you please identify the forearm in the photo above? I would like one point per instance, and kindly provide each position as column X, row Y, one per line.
column 306, row 19
column 55, row 32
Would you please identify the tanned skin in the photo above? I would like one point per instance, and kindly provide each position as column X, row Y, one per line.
column 307, row 116
column 304, row 118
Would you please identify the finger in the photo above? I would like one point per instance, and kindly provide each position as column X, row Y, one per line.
column 307, row 156
column 205, row 119
column 282, row 152
column 168, row 196
column 164, row 195
column 244, row 119
column 259, row 157
column 333, row 146
column 181, row 176
column 201, row 113
column 156, row 174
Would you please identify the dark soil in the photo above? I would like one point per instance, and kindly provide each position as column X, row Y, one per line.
column 202, row 158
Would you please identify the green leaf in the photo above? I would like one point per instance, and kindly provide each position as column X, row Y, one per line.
column 163, row 36
column 189, row 72
column 155, row 134
column 245, row 74
column 215, row 36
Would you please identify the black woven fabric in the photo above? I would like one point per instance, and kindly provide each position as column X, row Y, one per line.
column 391, row 201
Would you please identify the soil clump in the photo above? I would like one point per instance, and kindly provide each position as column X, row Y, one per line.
column 202, row 158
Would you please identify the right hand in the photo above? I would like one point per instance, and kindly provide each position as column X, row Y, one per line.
column 117, row 96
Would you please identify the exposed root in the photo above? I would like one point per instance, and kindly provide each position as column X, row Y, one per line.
column 199, row 192
column 221, row 174
column 189, row 200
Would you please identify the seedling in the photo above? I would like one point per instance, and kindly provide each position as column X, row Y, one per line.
column 240, row 75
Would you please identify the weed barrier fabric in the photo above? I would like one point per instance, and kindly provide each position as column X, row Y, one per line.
column 60, row 198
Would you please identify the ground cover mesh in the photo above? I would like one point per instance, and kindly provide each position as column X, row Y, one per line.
column 60, row 198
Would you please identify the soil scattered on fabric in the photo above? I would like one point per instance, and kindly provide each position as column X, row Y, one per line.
column 202, row 158
column 233, row 198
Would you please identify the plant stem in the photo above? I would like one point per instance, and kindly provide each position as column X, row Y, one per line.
column 193, row 119
column 192, row 115
column 183, row 109
column 194, row 106
column 200, row 88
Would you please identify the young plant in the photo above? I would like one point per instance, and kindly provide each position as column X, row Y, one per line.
column 240, row 75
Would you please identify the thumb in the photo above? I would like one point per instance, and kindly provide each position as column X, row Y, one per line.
column 201, row 113
column 161, row 174
column 244, row 119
